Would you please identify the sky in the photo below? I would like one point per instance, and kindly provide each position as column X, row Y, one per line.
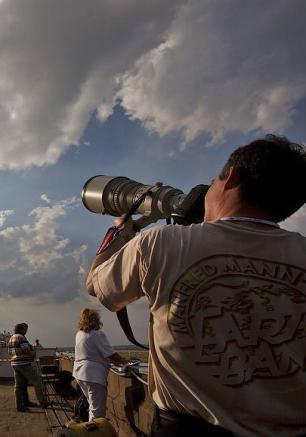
column 149, row 89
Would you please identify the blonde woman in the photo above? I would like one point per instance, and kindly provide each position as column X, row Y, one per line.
column 93, row 355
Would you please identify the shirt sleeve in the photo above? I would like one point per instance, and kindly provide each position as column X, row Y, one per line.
column 117, row 282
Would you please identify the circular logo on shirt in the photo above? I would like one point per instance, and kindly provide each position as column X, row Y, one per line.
column 241, row 318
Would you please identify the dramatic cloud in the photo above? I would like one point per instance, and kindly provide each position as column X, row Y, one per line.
column 225, row 66
column 36, row 260
column 192, row 67
column 4, row 214
column 58, row 64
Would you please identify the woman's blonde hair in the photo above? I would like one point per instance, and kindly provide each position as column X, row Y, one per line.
column 89, row 320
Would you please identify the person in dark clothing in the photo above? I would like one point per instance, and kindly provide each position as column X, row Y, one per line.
column 22, row 357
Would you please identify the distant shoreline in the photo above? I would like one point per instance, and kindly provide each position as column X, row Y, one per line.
column 124, row 347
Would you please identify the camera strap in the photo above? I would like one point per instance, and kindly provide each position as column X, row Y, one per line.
column 122, row 314
column 110, row 235
column 123, row 318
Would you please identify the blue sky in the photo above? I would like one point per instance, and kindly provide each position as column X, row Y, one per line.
column 152, row 90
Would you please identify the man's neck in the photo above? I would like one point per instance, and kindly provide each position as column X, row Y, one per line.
column 241, row 211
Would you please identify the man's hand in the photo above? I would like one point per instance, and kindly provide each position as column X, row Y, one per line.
column 129, row 227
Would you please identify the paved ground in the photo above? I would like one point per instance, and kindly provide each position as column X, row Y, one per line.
column 13, row 424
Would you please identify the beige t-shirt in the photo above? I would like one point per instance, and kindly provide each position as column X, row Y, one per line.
column 228, row 321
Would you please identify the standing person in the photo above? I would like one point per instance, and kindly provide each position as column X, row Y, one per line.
column 93, row 354
column 227, row 299
column 37, row 344
column 22, row 357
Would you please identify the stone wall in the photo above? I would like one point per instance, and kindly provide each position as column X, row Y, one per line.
column 129, row 407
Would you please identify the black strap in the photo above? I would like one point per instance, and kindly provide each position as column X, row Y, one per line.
column 122, row 314
column 125, row 325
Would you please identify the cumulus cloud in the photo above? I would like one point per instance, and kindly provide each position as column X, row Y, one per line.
column 45, row 198
column 191, row 67
column 58, row 64
column 4, row 214
column 224, row 67
column 36, row 260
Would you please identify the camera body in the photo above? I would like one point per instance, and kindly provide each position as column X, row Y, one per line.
column 116, row 196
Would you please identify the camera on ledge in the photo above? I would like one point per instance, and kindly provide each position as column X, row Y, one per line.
column 116, row 196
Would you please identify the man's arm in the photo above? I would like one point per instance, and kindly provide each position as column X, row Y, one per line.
column 126, row 233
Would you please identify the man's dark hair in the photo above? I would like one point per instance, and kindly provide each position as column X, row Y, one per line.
column 18, row 329
column 272, row 172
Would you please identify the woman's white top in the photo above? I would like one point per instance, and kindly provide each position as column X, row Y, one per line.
column 91, row 362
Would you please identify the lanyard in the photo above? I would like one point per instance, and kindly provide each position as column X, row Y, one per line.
column 250, row 219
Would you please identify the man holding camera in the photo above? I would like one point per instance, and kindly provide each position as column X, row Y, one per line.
column 227, row 300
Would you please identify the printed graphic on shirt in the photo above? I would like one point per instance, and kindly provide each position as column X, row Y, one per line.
column 241, row 318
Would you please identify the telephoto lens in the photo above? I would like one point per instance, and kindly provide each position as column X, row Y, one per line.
column 116, row 196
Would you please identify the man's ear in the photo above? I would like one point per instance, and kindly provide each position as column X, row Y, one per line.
column 232, row 180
